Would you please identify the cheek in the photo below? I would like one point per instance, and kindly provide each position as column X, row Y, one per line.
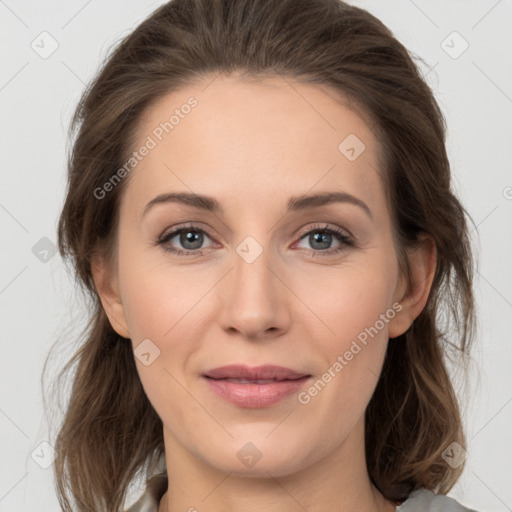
column 161, row 304
column 348, row 299
column 157, row 296
column 353, row 307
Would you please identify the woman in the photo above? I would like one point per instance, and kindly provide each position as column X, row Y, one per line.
column 259, row 205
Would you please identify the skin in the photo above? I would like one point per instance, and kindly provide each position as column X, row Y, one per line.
column 292, row 306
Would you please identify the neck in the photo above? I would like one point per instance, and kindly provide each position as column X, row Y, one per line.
column 338, row 481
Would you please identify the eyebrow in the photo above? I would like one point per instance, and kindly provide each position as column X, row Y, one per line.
column 202, row 202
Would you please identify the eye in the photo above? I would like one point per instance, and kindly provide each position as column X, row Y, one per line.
column 320, row 238
column 190, row 238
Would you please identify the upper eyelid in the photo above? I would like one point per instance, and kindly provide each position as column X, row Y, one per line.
column 302, row 232
column 176, row 230
column 317, row 226
column 324, row 226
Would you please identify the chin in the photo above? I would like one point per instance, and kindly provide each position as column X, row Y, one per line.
column 260, row 459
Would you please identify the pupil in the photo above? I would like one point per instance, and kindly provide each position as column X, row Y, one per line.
column 317, row 238
column 192, row 237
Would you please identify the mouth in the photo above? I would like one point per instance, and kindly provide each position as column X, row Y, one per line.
column 256, row 387
column 253, row 381
column 263, row 374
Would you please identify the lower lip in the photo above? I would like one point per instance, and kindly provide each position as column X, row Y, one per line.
column 255, row 396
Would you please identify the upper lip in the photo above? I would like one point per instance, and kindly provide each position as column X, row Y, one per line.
column 264, row 372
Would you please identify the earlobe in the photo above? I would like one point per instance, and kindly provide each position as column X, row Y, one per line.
column 422, row 265
column 108, row 291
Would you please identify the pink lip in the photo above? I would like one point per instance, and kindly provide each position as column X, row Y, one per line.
column 267, row 371
column 253, row 395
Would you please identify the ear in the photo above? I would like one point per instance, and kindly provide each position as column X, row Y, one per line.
column 413, row 297
column 107, row 286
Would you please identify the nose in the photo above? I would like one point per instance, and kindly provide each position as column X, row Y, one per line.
column 254, row 300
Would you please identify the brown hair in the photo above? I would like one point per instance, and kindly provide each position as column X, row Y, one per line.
column 110, row 433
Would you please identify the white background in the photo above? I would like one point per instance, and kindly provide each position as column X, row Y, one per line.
column 38, row 300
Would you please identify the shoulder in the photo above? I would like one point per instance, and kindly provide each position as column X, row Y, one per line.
column 424, row 500
column 155, row 489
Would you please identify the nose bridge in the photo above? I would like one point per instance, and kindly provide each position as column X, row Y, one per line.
column 253, row 302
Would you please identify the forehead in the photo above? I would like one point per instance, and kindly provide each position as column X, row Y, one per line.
column 241, row 140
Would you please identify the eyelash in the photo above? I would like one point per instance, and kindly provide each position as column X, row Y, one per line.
column 344, row 239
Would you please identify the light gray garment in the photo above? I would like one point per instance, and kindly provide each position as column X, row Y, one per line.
column 421, row 500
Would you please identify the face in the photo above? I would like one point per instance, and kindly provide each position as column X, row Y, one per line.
column 266, row 278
